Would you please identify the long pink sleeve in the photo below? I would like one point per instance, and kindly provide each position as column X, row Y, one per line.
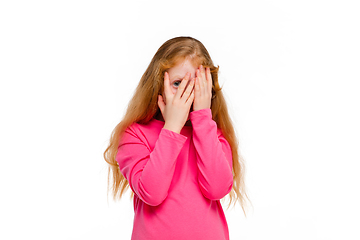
column 177, row 179
column 214, row 157
column 149, row 172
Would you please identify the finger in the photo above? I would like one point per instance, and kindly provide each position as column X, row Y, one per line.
column 209, row 79
column 202, row 70
column 202, row 81
column 161, row 104
column 205, row 80
column 167, row 88
column 197, row 87
column 188, row 90
column 198, row 80
column 182, row 86
column 191, row 98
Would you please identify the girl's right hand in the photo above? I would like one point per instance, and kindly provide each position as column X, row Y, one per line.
column 176, row 110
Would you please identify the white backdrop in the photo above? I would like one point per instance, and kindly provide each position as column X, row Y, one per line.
column 290, row 73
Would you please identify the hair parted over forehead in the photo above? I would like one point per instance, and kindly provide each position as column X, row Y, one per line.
column 144, row 106
column 180, row 48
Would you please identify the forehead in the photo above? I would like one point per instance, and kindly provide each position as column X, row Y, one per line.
column 183, row 66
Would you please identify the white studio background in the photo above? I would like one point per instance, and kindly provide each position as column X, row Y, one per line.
column 289, row 70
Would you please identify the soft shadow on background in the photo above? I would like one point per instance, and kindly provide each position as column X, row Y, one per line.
column 290, row 74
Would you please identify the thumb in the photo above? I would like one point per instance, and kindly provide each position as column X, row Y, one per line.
column 161, row 104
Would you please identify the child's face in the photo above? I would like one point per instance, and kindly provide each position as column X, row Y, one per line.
column 178, row 72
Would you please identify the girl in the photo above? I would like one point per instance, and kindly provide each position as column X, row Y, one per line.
column 176, row 148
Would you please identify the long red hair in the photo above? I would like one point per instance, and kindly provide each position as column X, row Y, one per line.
column 143, row 107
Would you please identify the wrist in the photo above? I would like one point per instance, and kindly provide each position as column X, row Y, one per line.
column 201, row 113
column 173, row 128
column 202, row 108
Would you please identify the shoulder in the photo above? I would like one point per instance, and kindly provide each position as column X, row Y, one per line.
column 144, row 132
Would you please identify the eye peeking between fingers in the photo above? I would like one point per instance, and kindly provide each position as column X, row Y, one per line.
column 176, row 84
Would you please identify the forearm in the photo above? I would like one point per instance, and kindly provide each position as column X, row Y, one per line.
column 150, row 172
column 214, row 158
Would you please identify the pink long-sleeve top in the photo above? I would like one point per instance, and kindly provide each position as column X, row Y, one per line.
column 178, row 179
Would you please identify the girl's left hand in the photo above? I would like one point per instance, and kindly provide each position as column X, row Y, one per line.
column 203, row 89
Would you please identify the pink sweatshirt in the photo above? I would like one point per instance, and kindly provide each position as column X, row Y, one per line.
column 178, row 179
